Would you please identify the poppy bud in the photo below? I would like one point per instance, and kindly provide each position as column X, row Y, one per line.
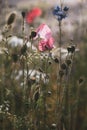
column 23, row 14
column 11, row 18
column 33, row 34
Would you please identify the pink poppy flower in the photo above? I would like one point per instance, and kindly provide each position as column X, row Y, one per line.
column 47, row 41
column 46, row 44
column 31, row 15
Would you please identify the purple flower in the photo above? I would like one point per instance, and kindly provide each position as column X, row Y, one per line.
column 66, row 8
column 60, row 13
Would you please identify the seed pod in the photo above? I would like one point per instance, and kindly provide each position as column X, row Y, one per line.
column 81, row 80
column 68, row 62
column 33, row 34
column 24, row 49
column 69, row 49
column 56, row 60
column 36, row 96
column 73, row 48
column 63, row 66
column 23, row 14
column 61, row 73
column 11, row 18
column 15, row 57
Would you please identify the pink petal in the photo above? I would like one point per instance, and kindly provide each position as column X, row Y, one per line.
column 44, row 31
column 46, row 44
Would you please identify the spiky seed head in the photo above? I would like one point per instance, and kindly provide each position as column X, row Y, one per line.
column 81, row 80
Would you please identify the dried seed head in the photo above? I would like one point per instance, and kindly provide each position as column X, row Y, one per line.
column 81, row 80
column 23, row 14
column 11, row 18
column 36, row 96
column 15, row 57
column 68, row 62
column 73, row 48
column 61, row 73
column 24, row 49
column 56, row 60
column 63, row 66
column 49, row 62
column 69, row 49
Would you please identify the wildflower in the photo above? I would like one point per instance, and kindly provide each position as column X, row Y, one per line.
column 60, row 13
column 43, row 31
column 45, row 34
column 31, row 15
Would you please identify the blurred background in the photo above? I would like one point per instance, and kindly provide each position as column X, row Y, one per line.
column 74, row 31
